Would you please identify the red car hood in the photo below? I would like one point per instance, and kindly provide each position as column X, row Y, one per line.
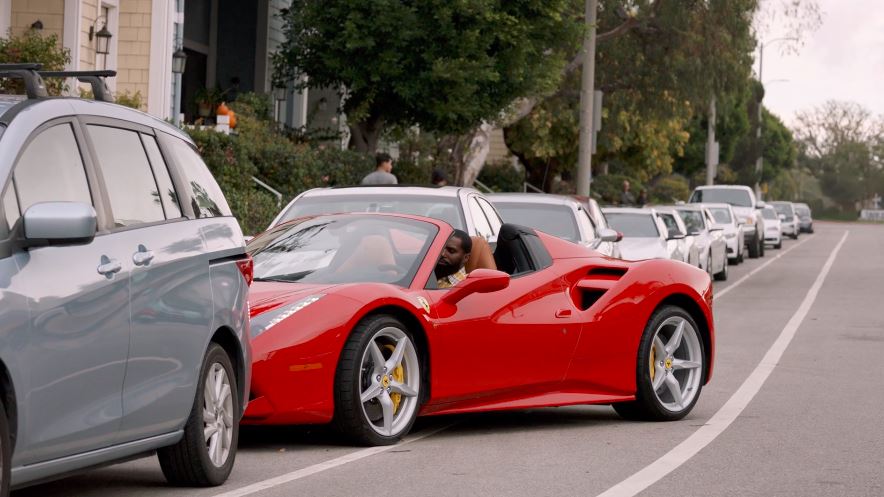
column 265, row 295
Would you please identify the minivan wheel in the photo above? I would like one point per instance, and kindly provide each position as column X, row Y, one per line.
column 5, row 452
column 204, row 457
column 754, row 248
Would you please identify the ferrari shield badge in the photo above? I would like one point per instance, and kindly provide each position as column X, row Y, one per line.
column 424, row 304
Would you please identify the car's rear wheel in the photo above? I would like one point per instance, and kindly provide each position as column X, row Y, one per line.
column 5, row 452
column 779, row 244
column 378, row 382
column 670, row 368
column 204, row 457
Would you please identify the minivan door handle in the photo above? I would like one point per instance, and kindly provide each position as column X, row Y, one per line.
column 109, row 267
column 143, row 256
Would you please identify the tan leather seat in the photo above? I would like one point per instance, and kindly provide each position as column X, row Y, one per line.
column 481, row 255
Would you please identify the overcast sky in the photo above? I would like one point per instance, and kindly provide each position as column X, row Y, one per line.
column 842, row 60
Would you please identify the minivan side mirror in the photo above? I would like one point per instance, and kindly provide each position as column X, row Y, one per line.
column 59, row 223
column 608, row 235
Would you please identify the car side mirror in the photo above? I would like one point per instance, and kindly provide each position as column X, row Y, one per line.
column 760, row 205
column 675, row 236
column 479, row 281
column 608, row 235
column 59, row 223
column 716, row 229
column 782, row 217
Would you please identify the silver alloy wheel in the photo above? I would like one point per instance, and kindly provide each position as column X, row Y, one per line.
column 677, row 359
column 389, row 379
column 218, row 414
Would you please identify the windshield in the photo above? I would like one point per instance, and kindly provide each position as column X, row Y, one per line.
column 343, row 249
column 671, row 223
column 784, row 209
column 740, row 198
column 442, row 208
column 768, row 213
column 633, row 225
column 693, row 220
column 721, row 215
column 801, row 211
column 557, row 220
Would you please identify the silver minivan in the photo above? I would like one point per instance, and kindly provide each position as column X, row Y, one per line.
column 123, row 295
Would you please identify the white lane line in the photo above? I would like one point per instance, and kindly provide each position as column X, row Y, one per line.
column 719, row 422
column 324, row 466
column 718, row 295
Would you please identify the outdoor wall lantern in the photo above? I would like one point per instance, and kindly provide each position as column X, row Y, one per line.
column 103, row 36
column 179, row 59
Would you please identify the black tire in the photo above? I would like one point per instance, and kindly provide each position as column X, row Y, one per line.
column 188, row 463
column 722, row 275
column 740, row 256
column 647, row 406
column 351, row 416
column 779, row 245
column 795, row 236
column 755, row 247
column 5, row 452
column 761, row 247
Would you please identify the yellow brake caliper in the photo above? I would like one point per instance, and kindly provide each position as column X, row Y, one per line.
column 397, row 374
column 653, row 359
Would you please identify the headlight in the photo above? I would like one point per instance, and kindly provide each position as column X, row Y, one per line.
column 269, row 319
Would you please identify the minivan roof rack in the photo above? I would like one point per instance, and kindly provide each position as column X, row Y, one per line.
column 100, row 91
column 35, row 88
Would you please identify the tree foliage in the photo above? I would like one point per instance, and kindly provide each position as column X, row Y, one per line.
column 441, row 64
column 32, row 46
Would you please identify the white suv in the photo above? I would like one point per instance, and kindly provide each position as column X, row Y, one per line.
column 746, row 208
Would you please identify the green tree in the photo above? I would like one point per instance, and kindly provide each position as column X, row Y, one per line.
column 32, row 46
column 444, row 65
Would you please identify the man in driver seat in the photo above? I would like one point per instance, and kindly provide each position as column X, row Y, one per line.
column 450, row 268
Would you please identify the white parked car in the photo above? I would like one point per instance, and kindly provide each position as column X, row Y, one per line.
column 773, row 234
column 682, row 249
column 746, row 207
column 644, row 234
column 710, row 239
column 789, row 220
column 724, row 217
column 556, row 215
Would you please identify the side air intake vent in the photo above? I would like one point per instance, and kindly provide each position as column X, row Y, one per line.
column 607, row 273
column 589, row 297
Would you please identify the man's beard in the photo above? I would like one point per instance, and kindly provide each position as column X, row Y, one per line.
column 443, row 270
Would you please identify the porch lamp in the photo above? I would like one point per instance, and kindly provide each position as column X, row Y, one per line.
column 179, row 58
column 102, row 39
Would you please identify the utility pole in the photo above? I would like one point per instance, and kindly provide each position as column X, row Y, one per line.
column 759, row 164
column 711, row 145
column 584, row 164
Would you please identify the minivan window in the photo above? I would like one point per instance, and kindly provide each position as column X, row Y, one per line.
column 733, row 196
column 557, row 220
column 633, row 225
column 51, row 169
column 127, row 175
column 10, row 206
column 166, row 189
column 206, row 199
column 483, row 229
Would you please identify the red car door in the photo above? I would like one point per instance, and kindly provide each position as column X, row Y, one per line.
column 513, row 342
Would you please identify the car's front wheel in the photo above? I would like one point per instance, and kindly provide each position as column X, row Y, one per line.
column 204, row 457
column 722, row 275
column 378, row 382
column 755, row 247
column 5, row 452
column 670, row 368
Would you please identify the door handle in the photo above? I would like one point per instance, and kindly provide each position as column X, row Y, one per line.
column 109, row 267
column 143, row 256
column 563, row 313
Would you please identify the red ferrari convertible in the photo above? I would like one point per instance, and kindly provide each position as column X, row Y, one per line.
column 348, row 327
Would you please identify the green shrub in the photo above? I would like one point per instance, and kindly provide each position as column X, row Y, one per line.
column 503, row 177
column 606, row 188
column 670, row 189
column 32, row 46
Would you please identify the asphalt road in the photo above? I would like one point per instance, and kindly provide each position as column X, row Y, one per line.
column 808, row 422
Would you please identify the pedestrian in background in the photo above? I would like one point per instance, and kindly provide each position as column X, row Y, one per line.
column 381, row 174
column 642, row 197
column 438, row 178
column 626, row 197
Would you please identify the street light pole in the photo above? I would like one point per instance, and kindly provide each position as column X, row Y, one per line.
column 584, row 164
column 759, row 164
